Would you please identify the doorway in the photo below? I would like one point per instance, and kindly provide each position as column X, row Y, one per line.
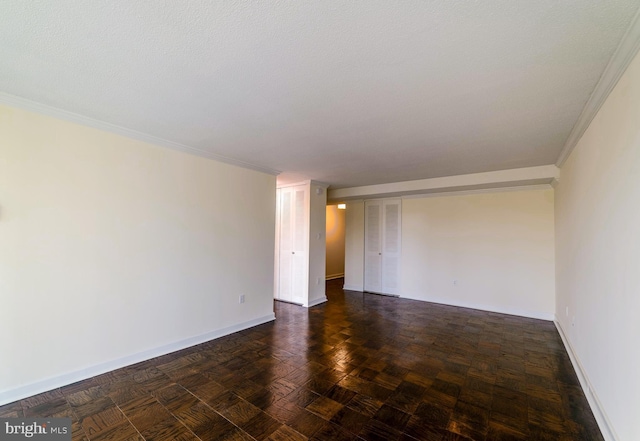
column 335, row 242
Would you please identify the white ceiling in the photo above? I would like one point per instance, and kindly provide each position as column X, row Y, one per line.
column 349, row 93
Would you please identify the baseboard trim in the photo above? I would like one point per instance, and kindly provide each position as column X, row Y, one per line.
column 528, row 314
column 596, row 407
column 353, row 288
column 316, row 302
column 27, row 390
column 335, row 276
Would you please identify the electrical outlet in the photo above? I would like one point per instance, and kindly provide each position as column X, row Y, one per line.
column 241, row 298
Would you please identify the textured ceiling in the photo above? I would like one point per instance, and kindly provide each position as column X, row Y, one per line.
column 348, row 93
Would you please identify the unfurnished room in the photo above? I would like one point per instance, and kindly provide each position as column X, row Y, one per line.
column 320, row 220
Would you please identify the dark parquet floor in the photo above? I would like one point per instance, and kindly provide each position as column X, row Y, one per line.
column 359, row 367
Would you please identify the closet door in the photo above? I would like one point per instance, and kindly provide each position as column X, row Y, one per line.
column 373, row 246
column 382, row 246
column 299, row 255
column 286, row 251
column 391, row 246
column 292, row 259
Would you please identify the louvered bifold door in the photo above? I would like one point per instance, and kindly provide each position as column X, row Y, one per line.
column 299, row 265
column 286, row 246
column 391, row 246
column 373, row 246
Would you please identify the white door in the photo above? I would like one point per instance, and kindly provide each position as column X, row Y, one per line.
column 299, row 264
column 382, row 246
column 373, row 246
column 391, row 246
column 286, row 246
column 292, row 268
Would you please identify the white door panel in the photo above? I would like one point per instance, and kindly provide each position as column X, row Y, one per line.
column 382, row 245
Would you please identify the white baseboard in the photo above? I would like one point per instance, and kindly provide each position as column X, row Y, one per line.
column 27, row 390
column 335, row 276
column 548, row 316
column 316, row 302
column 596, row 407
column 353, row 288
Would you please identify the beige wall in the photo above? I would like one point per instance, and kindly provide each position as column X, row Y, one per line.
column 598, row 257
column 113, row 250
column 354, row 246
column 335, row 241
column 317, row 247
column 491, row 251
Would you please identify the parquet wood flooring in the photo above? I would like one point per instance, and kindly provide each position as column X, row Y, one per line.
column 359, row 367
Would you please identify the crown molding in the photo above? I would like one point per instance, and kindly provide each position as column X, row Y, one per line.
column 519, row 177
column 532, row 187
column 618, row 63
column 32, row 106
column 320, row 184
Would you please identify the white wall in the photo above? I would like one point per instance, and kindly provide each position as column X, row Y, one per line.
column 112, row 250
column 491, row 251
column 498, row 248
column 354, row 246
column 335, row 241
column 598, row 256
column 317, row 245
